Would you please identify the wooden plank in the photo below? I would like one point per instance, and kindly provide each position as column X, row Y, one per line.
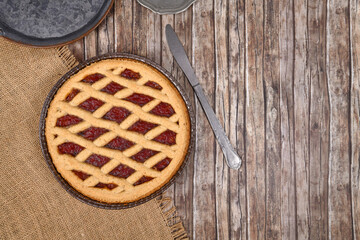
column 254, row 120
column 123, row 21
column 338, row 62
column 236, row 65
column 77, row 48
column 272, row 109
column 153, row 47
column 222, row 111
column 204, row 167
column 167, row 60
column 105, row 41
column 319, row 120
column 183, row 186
column 90, row 44
column 140, row 29
column 183, row 27
column 355, row 114
column 286, row 44
column 301, row 119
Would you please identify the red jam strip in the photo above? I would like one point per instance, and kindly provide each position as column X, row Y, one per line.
column 92, row 133
column 93, row 78
column 120, row 144
column 91, row 104
column 130, row 74
column 67, row 120
column 72, row 94
column 109, row 186
column 97, row 160
column 142, row 180
column 163, row 109
column 162, row 164
column 122, row 171
column 144, row 155
column 81, row 174
column 168, row 137
column 153, row 85
column 112, row 88
column 142, row 126
column 117, row 114
column 70, row 148
column 139, row 99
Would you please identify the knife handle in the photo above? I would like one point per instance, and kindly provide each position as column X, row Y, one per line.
column 232, row 158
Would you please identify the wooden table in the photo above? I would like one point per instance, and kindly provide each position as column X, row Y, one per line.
column 284, row 79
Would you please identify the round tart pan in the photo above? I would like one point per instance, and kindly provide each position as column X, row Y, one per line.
column 46, row 153
column 50, row 23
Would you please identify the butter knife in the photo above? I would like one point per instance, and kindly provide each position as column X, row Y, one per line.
column 233, row 160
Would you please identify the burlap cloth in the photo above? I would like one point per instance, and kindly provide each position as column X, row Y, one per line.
column 33, row 205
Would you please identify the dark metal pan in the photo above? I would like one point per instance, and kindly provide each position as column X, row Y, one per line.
column 47, row 156
column 50, row 23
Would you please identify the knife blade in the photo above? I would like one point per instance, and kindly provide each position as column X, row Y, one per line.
column 233, row 160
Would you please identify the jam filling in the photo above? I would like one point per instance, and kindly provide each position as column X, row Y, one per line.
column 122, row 171
column 168, row 137
column 117, row 114
column 81, row 174
column 72, row 94
column 162, row 164
column 70, row 148
column 144, row 155
column 97, row 160
column 109, row 186
column 93, row 78
column 142, row 180
column 142, row 126
column 153, row 85
column 67, row 120
column 91, row 104
column 112, row 88
column 120, row 144
column 163, row 109
column 139, row 99
column 130, row 74
column 92, row 133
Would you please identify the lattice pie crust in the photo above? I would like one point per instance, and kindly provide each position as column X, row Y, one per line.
column 117, row 130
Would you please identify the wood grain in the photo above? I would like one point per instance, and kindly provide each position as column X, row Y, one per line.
column 221, row 110
column 78, row 50
column 284, row 80
column 355, row 115
column 319, row 121
column 123, row 23
column 90, row 44
column 272, row 119
column 301, row 119
column 139, row 27
column 153, row 47
column 338, row 63
column 255, row 120
column 204, row 199
column 286, row 47
column 105, row 37
column 184, row 188
column 235, row 110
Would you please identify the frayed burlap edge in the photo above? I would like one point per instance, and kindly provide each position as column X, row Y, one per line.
column 67, row 57
column 173, row 221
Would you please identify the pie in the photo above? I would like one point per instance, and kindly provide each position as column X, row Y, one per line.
column 117, row 130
